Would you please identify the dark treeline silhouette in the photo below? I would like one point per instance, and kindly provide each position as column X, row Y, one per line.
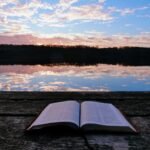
column 79, row 55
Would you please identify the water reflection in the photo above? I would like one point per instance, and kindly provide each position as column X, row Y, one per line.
column 74, row 78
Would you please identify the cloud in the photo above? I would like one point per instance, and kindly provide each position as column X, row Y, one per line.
column 17, row 16
column 57, row 83
column 28, row 22
column 6, row 2
column 82, row 13
column 44, row 14
column 26, row 9
column 67, row 3
column 91, row 39
column 71, row 14
column 127, row 11
column 101, row 1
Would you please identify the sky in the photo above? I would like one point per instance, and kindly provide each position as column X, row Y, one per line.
column 101, row 23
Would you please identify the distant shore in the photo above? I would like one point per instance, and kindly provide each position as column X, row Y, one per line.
column 76, row 55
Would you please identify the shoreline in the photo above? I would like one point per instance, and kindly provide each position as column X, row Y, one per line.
column 76, row 55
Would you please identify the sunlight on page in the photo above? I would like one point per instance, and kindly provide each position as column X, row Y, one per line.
column 102, row 114
column 57, row 113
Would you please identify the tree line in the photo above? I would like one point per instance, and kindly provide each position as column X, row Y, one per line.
column 78, row 55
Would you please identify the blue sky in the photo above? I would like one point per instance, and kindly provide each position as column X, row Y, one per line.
column 103, row 23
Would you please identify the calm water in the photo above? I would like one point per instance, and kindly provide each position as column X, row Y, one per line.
column 74, row 78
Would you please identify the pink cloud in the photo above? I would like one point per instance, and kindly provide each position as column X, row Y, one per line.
column 90, row 39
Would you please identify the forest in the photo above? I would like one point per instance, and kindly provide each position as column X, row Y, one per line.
column 75, row 55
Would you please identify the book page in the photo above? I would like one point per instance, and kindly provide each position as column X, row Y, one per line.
column 102, row 114
column 67, row 111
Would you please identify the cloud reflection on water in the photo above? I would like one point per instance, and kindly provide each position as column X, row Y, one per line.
column 74, row 78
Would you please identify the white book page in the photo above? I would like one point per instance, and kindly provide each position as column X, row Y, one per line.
column 67, row 111
column 101, row 114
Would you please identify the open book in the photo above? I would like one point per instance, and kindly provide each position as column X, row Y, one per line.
column 87, row 115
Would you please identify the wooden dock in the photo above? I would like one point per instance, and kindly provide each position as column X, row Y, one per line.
column 18, row 109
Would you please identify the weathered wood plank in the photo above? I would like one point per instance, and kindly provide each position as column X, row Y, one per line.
column 119, row 142
column 21, row 108
column 17, row 110
column 26, row 107
column 115, row 141
column 12, row 137
column 35, row 101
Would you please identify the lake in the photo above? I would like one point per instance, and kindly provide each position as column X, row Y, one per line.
column 99, row 77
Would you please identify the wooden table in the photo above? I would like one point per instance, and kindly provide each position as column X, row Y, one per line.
column 18, row 109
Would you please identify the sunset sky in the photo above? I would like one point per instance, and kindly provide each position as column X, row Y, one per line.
column 103, row 23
